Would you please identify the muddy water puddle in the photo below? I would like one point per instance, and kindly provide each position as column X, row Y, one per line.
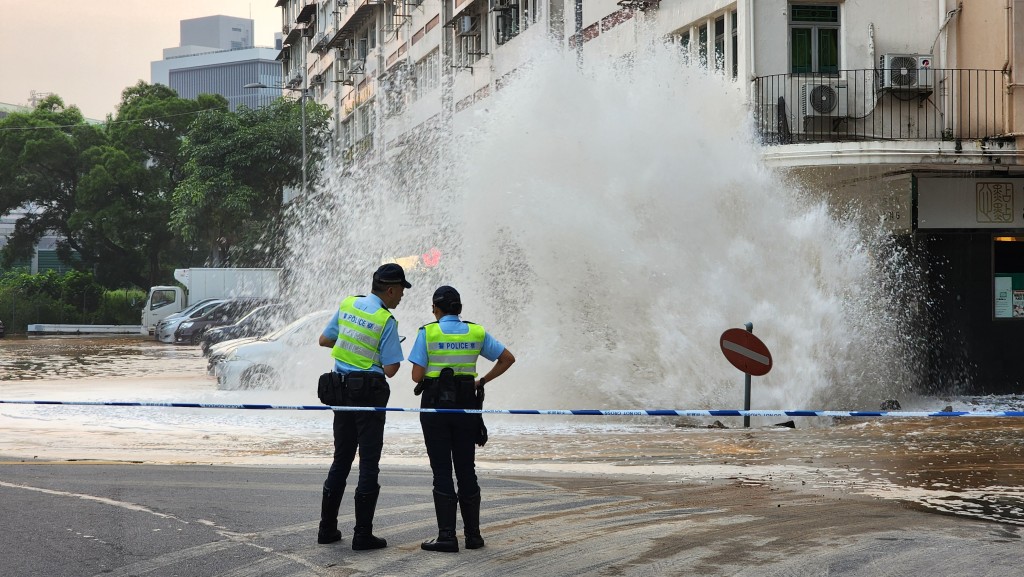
column 971, row 467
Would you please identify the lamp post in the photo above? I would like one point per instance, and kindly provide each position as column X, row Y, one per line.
column 302, row 102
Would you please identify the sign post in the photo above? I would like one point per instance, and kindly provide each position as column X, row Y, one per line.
column 748, row 354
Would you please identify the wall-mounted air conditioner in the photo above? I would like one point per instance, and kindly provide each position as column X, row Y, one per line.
column 823, row 99
column 907, row 72
column 344, row 53
column 468, row 26
column 341, row 73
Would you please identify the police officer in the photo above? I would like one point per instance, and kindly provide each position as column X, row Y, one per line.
column 363, row 338
column 444, row 367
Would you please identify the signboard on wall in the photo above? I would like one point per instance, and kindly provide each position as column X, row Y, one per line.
column 970, row 203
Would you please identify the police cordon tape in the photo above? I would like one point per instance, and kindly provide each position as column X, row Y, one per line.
column 574, row 412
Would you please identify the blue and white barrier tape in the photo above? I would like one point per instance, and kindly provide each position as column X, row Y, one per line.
column 579, row 412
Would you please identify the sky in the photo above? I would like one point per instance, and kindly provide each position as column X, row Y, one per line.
column 88, row 51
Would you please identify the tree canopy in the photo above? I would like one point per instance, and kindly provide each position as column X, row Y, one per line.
column 166, row 182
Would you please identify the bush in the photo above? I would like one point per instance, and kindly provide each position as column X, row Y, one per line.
column 71, row 298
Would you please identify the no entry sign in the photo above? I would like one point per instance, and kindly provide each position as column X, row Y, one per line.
column 746, row 352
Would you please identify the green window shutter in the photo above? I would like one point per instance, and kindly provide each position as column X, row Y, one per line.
column 800, row 46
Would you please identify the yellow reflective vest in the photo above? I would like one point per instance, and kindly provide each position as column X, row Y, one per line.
column 359, row 335
column 456, row 351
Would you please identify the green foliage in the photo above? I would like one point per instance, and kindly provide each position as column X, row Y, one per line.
column 72, row 298
column 167, row 182
column 237, row 169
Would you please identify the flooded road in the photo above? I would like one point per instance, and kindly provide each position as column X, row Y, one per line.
column 971, row 467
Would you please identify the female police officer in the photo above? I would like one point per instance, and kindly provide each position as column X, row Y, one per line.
column 444, row 368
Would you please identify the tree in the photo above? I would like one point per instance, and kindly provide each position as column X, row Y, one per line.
column 238, row 167
column 43, row 157
column 106, row 190
column 151, row 125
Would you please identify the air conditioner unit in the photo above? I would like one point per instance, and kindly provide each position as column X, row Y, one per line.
column 907, row 72
column 468, row 26
column 823, row 99
column 345, row 53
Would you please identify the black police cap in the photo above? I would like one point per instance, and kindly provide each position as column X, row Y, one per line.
column 391, row 273
column 446, row 297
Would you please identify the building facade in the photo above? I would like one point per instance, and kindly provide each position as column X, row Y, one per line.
column 912, row 110
column 216, row 55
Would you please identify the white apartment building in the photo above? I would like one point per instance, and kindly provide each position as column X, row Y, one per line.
column 913, row 109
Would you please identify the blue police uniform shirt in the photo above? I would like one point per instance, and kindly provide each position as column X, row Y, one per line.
column 390, row 348
column 451, row 325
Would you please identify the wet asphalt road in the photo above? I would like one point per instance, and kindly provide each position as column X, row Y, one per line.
column 109, row 519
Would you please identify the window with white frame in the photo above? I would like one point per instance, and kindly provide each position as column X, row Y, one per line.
column 428, row 73
column 814, row 38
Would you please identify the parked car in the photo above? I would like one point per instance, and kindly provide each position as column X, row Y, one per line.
column 165, row 328
column 290, row 355
column 191, row 330
column 258, row 322
column 219, row 351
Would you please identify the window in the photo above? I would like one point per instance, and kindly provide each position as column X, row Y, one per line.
column 428, row 73
column 1008, row 261
column 814, row 38
column 720, row 43
column 735, row 46
column 683, row 39
column 470, row 38
column 162, row 298
column 702, row 45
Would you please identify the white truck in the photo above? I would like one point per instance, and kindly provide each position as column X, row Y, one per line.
column 206, row 283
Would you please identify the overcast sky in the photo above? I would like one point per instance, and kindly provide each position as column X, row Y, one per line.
column 88, row 51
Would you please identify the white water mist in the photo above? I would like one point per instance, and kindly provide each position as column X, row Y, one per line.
column 608, row 224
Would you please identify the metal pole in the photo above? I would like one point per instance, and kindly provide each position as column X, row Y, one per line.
column 746, row 386
column 579, row 32
column 302, row 101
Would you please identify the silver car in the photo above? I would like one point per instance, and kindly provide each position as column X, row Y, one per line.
column 166, row 327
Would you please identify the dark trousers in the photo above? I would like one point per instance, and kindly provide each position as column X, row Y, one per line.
column 356, row 430
column 451, row 442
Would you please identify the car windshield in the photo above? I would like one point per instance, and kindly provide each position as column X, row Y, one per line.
column 260, row 314
column 193, row 308
column 307, row 321
column 205, row 309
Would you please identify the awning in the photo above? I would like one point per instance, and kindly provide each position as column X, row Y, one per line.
column 361, row 13
column 307, row 12
column 293, row 35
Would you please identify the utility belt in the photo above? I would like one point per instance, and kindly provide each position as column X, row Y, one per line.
column 450, row 391
column 355, row 389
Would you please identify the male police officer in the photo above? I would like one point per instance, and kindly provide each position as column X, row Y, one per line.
column 363, row 338
column 444, row 367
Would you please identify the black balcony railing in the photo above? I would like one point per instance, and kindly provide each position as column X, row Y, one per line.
column 923, row 104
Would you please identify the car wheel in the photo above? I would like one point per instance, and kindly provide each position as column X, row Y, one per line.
column 259, row 378
column 197, row 338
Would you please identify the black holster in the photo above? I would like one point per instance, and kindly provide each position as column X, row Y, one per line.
column 356, row 389
column 449, row 391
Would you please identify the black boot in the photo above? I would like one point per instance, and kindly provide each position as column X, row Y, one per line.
column 329, row 506
column 470, row 507
column 444, row 508
column 362, row 537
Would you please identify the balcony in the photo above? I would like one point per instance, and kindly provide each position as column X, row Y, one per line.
column 927, row 104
